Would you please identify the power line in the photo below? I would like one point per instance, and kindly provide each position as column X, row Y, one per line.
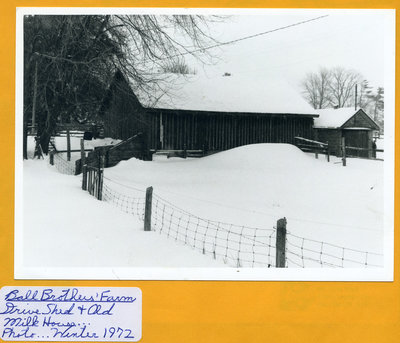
column 251, row 36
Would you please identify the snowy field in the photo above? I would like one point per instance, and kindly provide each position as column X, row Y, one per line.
column 199, row 205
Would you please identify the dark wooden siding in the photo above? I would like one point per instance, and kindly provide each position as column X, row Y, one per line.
column 220, row 131
column 361, row 119
column 122, row 114
column 353, row 138
column 358, row 139
column 331, row 136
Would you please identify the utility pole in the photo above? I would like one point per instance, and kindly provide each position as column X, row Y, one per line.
column 355, row 100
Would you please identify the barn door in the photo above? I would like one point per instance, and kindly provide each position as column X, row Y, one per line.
column 357, row 139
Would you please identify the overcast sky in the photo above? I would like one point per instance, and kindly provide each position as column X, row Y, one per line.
column 354, row 41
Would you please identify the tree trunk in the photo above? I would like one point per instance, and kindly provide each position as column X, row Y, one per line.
column 46, row 130
column 25, row 141
column 44, row 141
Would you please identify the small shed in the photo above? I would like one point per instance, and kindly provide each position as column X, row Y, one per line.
column 354, row 125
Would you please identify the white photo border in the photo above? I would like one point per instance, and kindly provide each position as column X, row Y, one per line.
column 241, row 274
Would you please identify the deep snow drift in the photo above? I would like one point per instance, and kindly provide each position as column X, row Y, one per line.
column 251, row 186
column 257, row 184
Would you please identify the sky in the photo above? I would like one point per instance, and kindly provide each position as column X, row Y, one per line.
column 353, row 40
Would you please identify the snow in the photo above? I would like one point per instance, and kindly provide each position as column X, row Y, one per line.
column 333, row 118
column 235, row 93
column 66, row 227
column 255, row 185
column 251, row 186
column 380, row 143
column 61, row 142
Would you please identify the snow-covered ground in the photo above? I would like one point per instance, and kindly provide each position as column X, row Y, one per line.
column 64, row 226
column 251, row 186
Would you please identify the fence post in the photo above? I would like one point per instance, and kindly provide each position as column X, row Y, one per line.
column 184, row 151
column 68, row 146
column 281, row 243
column 51, row 154
column 84, row 177
column 147, row 210
column 83, row 154
column 90, row 181
column 344, row 151
column 100, row 181
column 327, row 152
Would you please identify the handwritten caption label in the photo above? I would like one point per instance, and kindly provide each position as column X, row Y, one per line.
column 70, row 314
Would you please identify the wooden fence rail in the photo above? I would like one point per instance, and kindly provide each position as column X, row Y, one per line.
column 316, row 147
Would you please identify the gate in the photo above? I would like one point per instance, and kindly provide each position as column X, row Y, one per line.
column 92, row 181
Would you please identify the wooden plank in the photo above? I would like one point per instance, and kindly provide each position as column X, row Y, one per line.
column 311, row 141
column 83, row 155
column 363, row 149
column 68, row 146
column 224, row 132
column 239, row 131
column 244, row 131
column 230, row 133
column 192, row 144
column 271, row 133
column 181, row 131
column 73, row 150
column 178, row 131
column 170, row 142
column 257, row 131
column 196, row 127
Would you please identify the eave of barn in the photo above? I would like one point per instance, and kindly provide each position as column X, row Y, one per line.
column 240, row 114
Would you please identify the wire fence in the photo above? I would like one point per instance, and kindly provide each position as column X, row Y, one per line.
column 303, row 252
column 236, row 245
column 62, row 165
column 134, row 203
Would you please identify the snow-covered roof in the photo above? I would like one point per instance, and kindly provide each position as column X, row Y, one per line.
column 236, row 93
column 333, row 118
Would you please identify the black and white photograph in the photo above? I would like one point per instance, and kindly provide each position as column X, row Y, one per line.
column 204, row 144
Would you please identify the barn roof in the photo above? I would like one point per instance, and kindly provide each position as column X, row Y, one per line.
column 235, row 93
column 334, row 118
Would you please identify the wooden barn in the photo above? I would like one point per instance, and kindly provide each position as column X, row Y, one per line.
column 209, row 115
column 355, row 126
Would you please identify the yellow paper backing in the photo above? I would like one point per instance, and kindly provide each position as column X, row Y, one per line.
column 218, row 311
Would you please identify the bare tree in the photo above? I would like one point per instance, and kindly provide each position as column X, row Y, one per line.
column 332, row 88
column 70, row 60
column 316, row 88
column 342, row 86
